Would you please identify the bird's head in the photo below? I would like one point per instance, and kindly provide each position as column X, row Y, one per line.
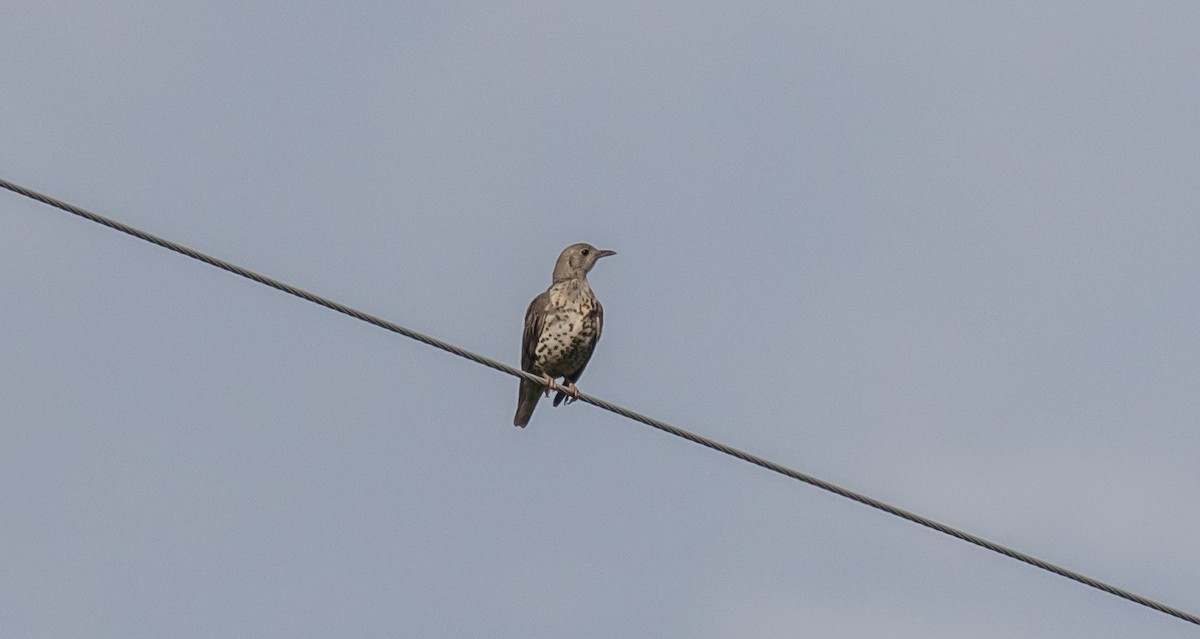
column 577, row 259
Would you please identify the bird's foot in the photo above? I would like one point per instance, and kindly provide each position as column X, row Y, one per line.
column 550, row 385
column 572, row 391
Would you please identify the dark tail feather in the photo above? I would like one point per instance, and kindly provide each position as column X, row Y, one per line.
column 527, row 399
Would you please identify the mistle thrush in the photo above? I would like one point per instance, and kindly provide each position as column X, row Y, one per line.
column 562, row 327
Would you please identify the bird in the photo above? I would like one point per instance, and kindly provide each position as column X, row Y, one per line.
column 562, row 326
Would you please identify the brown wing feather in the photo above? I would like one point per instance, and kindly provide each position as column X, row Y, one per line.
column 535, row 319
column 528, row 393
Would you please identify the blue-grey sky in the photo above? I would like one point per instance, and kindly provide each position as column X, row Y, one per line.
column 944, row 254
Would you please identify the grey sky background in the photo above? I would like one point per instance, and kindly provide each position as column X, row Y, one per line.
column 940, row 253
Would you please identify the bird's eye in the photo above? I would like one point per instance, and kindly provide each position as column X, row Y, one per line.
column 584, row 252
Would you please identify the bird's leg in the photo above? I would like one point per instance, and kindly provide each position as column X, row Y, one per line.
column 550, row 385
column 572, row 391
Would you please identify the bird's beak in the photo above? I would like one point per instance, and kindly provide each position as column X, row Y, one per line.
column 605, row 253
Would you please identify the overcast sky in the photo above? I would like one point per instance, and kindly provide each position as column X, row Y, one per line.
column 943, row 254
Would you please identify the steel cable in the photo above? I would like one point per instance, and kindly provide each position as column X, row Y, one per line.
column 600, row 403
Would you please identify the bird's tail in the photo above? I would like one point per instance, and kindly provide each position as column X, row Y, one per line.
column 527, row 399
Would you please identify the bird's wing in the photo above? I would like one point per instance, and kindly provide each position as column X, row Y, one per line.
column 535, row 319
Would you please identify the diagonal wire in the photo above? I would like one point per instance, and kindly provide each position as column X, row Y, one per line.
column 609, row 406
